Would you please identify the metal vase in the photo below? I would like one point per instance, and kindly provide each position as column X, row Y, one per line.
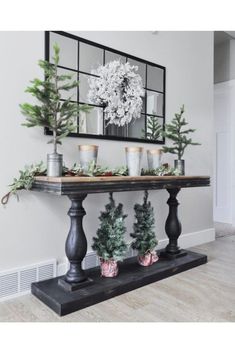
column 179, row 164
column 133, row 160
column 54, row 164
column 154, row 158
column 87, row 154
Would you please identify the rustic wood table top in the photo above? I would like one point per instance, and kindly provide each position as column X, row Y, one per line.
column 68, row 185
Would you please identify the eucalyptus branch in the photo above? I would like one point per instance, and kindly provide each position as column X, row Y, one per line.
column 24, row 181
column 27, row 175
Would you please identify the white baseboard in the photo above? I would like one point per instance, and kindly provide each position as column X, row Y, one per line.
column 185, row 241
column 192, row 239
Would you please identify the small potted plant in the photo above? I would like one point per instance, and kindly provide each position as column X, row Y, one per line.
column 145, row 239
column 176, row 132
column 52, row 112
column 109, row 243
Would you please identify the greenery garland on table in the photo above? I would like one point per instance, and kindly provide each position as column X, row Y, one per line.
column 163, row 170
column 27, row 175
column 94, row 170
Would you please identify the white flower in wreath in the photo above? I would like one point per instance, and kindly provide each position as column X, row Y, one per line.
column 119, row 88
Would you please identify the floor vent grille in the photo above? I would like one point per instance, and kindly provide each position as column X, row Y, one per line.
column 18, row 281
column 45, row 272
column 8, row 284
column 26, row 278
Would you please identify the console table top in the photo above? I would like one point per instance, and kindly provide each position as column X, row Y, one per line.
column 68, row 185
column 78, row 179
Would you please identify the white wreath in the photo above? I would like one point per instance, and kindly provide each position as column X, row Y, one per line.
column 119, row 88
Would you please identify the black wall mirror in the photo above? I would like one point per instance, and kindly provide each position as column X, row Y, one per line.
column 82, row 56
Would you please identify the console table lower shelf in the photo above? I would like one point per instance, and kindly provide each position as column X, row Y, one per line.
column 131, row 276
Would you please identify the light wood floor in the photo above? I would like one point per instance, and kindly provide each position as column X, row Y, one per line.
column 223, row 229
column 205, row 293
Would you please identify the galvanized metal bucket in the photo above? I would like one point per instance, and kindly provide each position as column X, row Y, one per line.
column 54, row 164
column 87, row 154
column 154, row 158
column 179, row 164
column 133, row 160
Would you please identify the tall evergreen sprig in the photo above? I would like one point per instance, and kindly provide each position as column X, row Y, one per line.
column 109, row 243
column 176, row 132
column 154, row 129
column 51, row 112
column 144, row 235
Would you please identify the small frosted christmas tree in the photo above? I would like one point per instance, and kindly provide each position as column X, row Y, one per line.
column 109, row 243
column 144, row 235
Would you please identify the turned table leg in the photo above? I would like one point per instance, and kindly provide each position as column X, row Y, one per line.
column 173, row 227
column 76, row 246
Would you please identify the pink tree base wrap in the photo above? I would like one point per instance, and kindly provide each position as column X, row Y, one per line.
column 148, row 259
column 109, row 268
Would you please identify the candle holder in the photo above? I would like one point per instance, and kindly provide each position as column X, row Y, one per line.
column 133, row 160
column 87, row 154
column 154, row 158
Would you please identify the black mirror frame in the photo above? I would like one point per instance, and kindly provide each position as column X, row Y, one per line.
column 110, row 137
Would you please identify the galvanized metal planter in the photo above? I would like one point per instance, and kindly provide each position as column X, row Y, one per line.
column 87, row 154
column 154, row 158
column 54, row 164
column 133, row 160
column 179, row 164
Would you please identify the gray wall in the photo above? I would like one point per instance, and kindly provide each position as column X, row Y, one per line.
column 224, row 61
column 35, row 229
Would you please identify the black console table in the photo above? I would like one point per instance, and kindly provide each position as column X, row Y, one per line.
column 78, row 288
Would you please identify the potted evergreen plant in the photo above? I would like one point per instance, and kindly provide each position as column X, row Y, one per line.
column 144, row 235
column 176, row 132
column 52, row 112
column 109, row 243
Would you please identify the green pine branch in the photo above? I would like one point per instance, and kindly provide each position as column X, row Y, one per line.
column 175, row 132
column 51, row 112
column 154, row 129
